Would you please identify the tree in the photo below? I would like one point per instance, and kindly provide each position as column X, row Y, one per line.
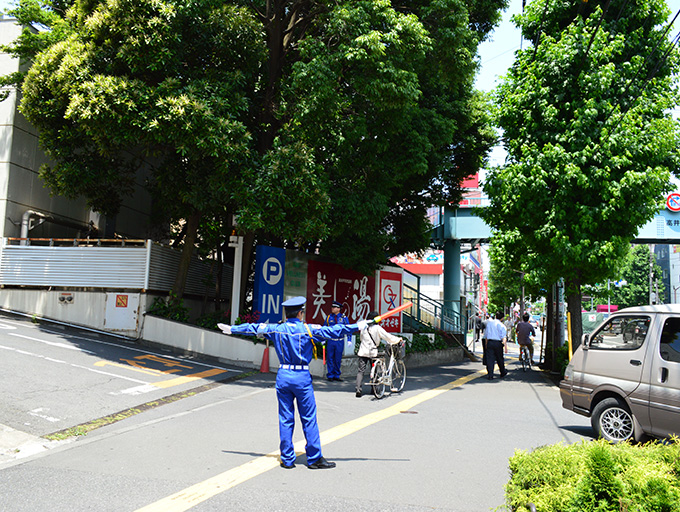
column 591, row 143
column 630, row 285
column 324, row 125
column 512, row 267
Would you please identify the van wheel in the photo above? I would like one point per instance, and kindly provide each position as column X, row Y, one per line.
column 613, row 421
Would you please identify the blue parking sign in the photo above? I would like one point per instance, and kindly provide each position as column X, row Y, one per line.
column 270, row 263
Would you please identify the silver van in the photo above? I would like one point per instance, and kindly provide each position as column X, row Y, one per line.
column 625, row 375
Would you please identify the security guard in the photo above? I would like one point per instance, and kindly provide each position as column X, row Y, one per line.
column 335, row 346
column 293, row 344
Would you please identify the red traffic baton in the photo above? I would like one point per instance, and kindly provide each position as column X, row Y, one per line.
column 393, row 311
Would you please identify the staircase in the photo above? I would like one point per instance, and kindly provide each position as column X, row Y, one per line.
column 428, row 313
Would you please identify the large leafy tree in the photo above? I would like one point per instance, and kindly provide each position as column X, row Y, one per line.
column 591, row 143
column 326, row 125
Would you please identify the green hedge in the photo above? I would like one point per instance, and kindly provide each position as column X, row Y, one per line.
column 596, row 477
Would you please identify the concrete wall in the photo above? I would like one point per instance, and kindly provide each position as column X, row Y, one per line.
column 92, row 310
column 88, row 309
column 246, row 353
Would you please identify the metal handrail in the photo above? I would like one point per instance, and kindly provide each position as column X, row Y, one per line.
column 433, row 312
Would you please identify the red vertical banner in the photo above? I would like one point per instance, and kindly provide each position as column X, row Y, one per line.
column 390, row 298
column 327, row 282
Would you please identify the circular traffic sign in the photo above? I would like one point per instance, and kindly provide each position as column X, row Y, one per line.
column 673, row 202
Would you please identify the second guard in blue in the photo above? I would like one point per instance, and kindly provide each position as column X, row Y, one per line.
column 335, row 346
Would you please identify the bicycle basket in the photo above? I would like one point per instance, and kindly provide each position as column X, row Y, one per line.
column 398, row 350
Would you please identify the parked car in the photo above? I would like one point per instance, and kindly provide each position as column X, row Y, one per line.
column 625, row 375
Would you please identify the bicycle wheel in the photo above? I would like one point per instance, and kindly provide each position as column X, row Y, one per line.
column 378, row 379
column 398, row 376
column 524, row 358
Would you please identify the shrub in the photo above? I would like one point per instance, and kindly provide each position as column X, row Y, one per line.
column 170, row 307
column 422, row 343
column 596, row 477
column 210, row 320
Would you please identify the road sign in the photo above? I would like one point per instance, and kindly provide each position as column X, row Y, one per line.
column 673, row 202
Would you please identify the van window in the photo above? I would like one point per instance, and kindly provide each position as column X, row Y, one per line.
column 669, row 348
column 621, row 333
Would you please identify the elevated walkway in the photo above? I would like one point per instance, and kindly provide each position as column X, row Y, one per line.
column 460, row 229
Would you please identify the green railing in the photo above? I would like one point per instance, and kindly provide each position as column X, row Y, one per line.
column 434, row 313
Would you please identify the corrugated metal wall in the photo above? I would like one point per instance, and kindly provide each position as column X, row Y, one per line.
column 105, row 267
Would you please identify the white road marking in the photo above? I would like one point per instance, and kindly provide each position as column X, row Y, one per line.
column 71, row 364
column 38, row 412
column 54, row 344
column 137, row 390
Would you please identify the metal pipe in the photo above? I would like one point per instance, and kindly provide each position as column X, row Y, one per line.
column 26, row 220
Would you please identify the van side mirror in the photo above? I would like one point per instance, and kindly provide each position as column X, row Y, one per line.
column 584, row 341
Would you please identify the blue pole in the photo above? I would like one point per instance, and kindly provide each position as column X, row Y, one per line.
column 452, row 276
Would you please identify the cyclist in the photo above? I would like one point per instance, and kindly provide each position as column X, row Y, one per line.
column 525, row 333
column 370, row 339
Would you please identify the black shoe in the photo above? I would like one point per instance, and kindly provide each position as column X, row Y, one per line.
column 490, row 377
column 504, row 374
column 321, row 464
column 358, row 394
column 337, row 379
column 330, row 379
column 287, row 466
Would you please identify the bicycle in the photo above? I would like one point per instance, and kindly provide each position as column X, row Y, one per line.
column 391, row 375
column 524, row 357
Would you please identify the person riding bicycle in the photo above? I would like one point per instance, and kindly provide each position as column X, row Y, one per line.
column 370, row 339
column 525, row 331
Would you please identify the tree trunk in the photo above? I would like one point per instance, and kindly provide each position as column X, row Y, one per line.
column 573, row 289
column 187, row 252
column 268, row 121
column 247, row 262
column 549, row 355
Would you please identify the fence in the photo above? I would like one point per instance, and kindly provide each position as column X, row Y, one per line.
column 103, row 264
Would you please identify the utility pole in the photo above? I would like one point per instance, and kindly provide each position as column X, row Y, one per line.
column 651, row 274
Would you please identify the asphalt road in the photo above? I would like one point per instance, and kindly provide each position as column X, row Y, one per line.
column 441, row 444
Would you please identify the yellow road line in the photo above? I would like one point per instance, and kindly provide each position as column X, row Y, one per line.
column 202, row 491
column 187, row 378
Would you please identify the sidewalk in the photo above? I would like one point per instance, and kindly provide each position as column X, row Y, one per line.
column 15, row 444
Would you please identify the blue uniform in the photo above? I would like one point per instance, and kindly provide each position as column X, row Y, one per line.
column 335, row 347
column 294, row 349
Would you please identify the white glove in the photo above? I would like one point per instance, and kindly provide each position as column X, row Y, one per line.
column 226, row 329
column 362, row 324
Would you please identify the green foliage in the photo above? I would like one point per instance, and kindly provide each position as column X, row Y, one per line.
column 421, row 343
column 170, row 307
column 600, row 488
column 635, row 272
column 329, row 124
column 562, row 358
column 591, row 141
column 210, row 320
column 596, row 477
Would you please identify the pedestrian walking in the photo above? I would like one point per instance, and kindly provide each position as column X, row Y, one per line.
column 496, row 334
column 335, row 346
column 481, row 322
column 370, row 339
column 293, row 342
